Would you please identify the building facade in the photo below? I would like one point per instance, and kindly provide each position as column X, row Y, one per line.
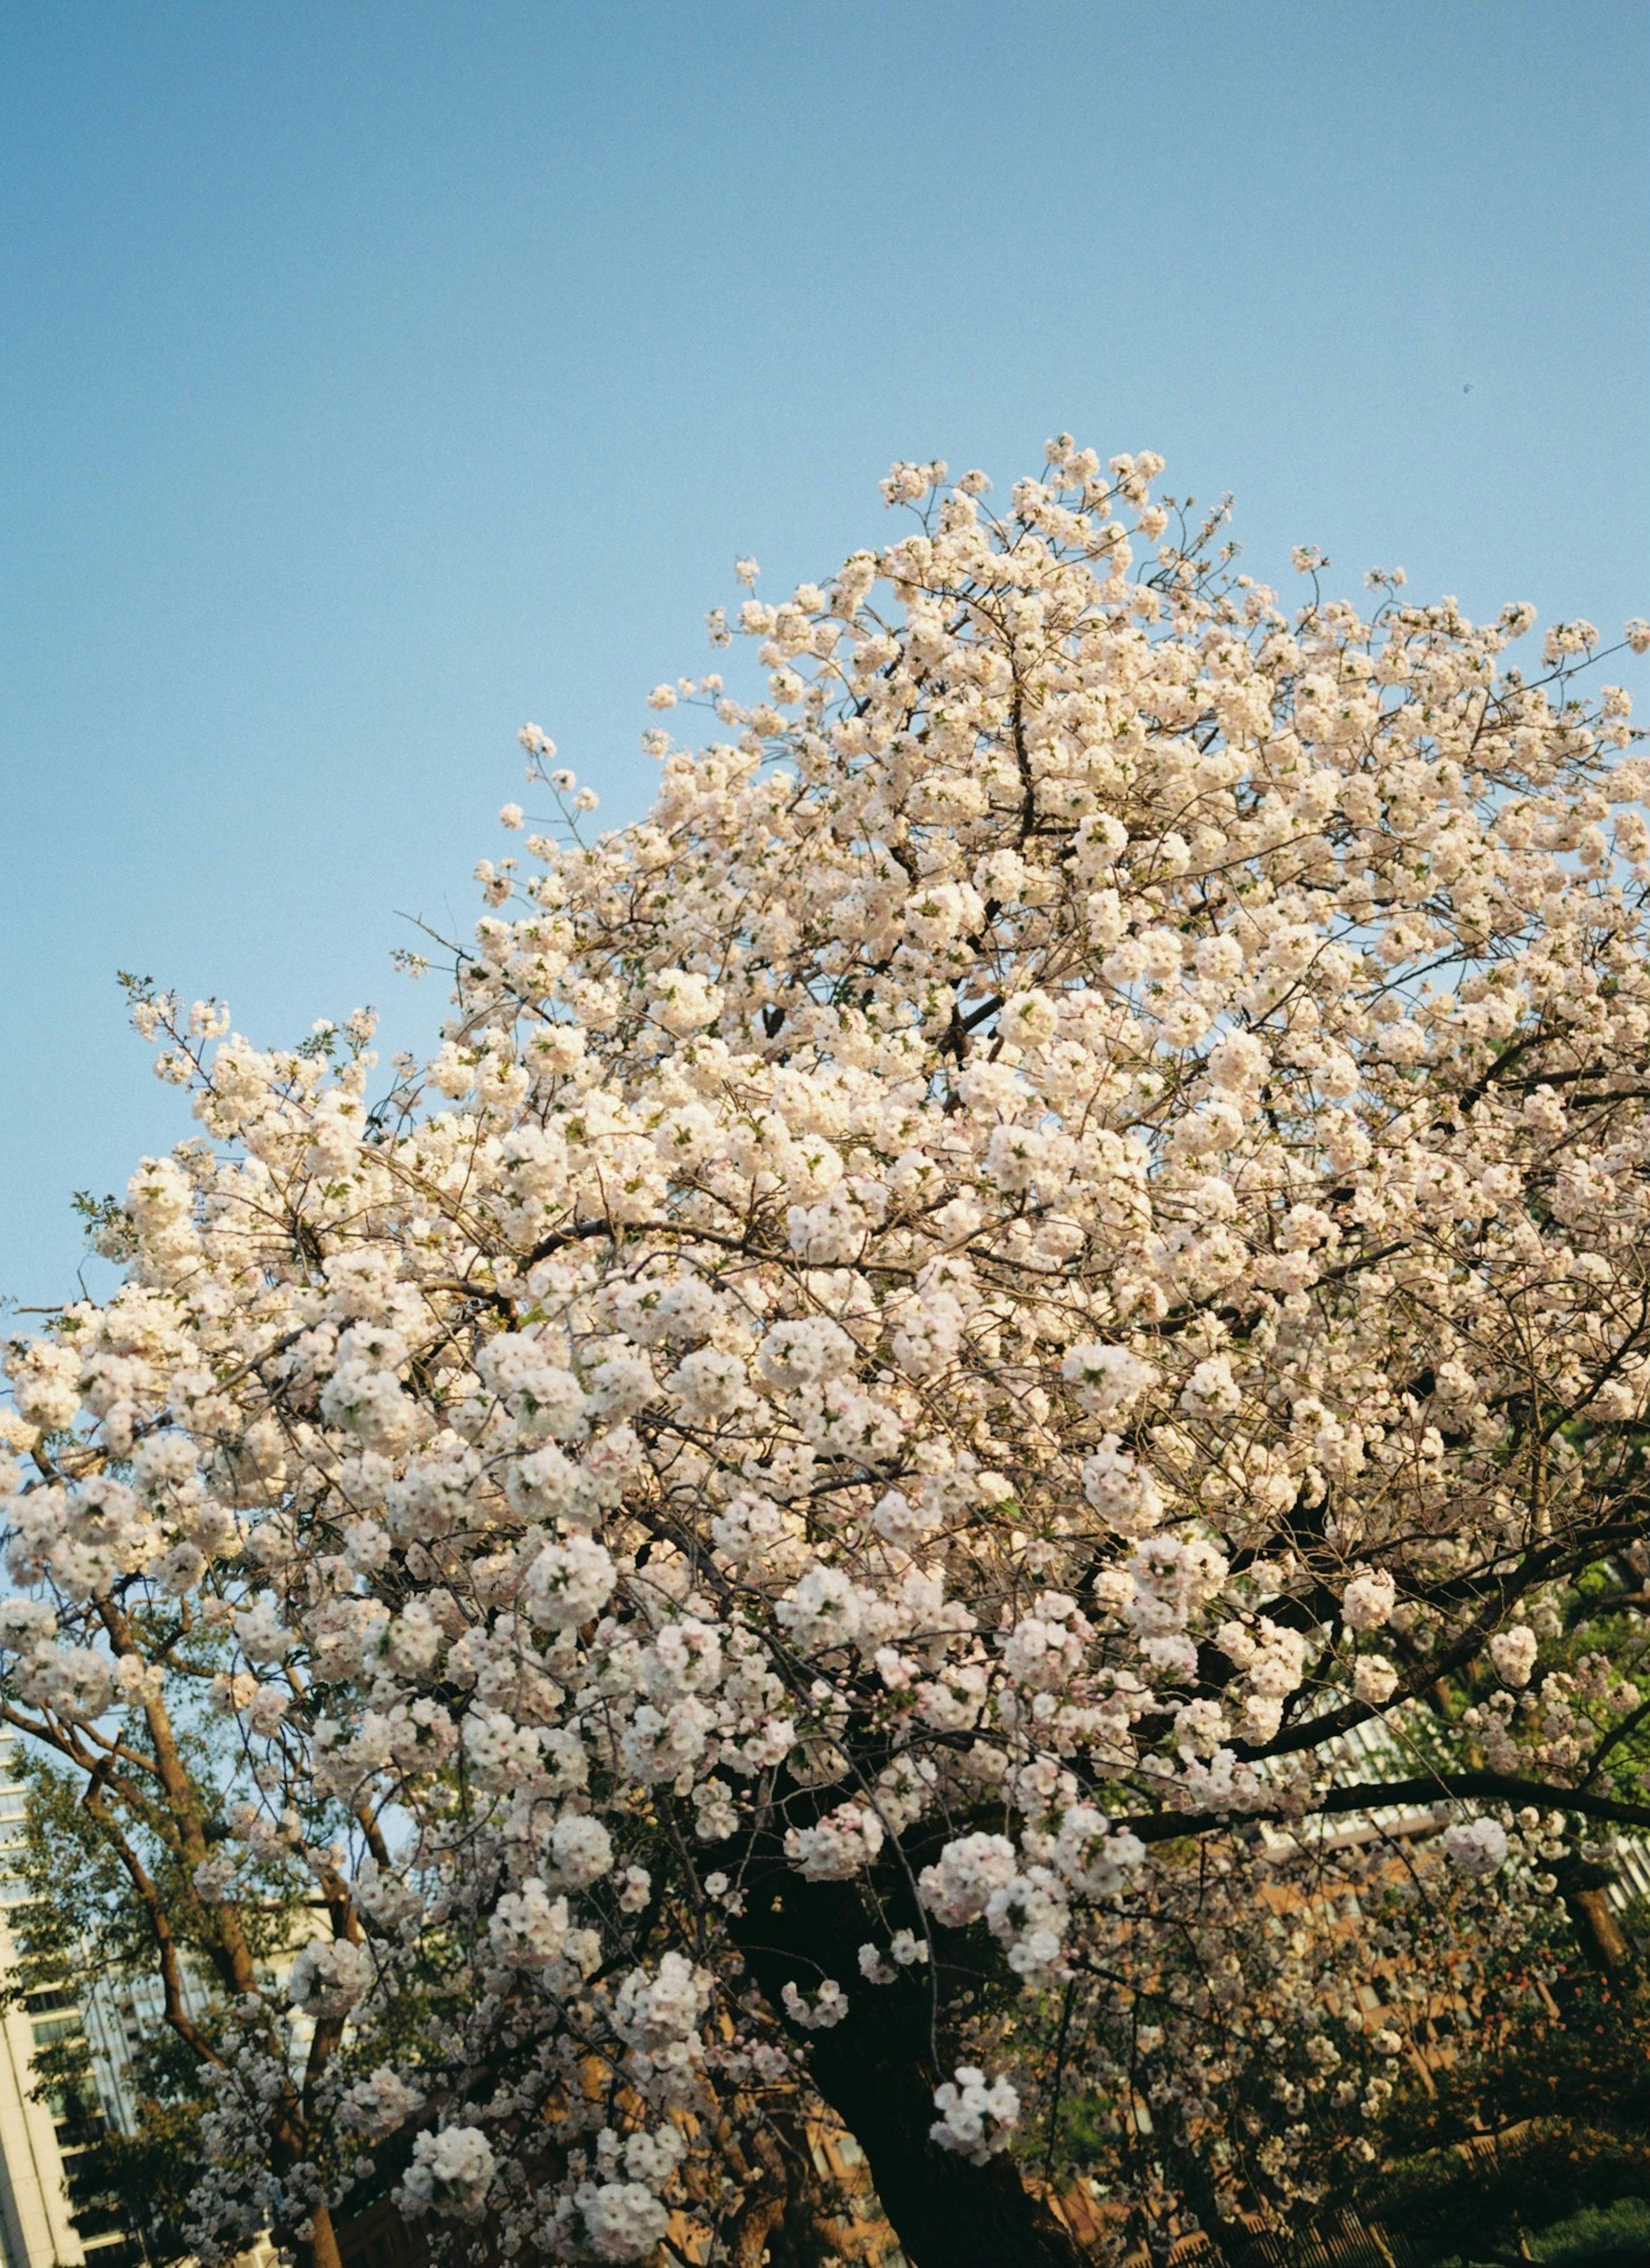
column 40, row 2140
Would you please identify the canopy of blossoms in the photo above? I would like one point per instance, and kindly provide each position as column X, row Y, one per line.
column 1005, row 1284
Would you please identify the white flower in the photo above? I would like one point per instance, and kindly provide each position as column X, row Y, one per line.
column 262, row 1635
column 975, row 2118
column 825, row 1607
column 623, row 2220
column 957, row 1887
column 1121, row 1491
column 581, row 1850
column 1367, row 1602
column 1108, row 1380
column 1211, row 1391
column 328, row 1978
column 569, row 1583
column 377, row 2105
column 1513, row 1652
column 1239, row 1064
column 801, row 1352
column 451, row 2171
column 27, row 1621
column 1374, row 1680
column 710, row 1383
column 683, row 1001
column 1093, row 1856
column 528, row 1928
column 826, row 2009
column 1477, row 1846
column 842, row 1844
column 544, row 1485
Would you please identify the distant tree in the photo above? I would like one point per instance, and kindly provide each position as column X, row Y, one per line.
column 1538, row 2107
column 104, row 1856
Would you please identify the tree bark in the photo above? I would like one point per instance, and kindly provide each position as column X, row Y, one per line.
column 877, row 2071
column 1602, row 1938
column 1585, row 1886
column 322, row 2248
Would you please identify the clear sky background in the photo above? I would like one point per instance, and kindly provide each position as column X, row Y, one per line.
column 373, row 378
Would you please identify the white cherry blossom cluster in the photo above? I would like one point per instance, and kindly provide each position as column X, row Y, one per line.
column 996, row 1285
column 1478, row 1846
column 976, row 2117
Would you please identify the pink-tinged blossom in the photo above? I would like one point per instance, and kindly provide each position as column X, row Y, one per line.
column 841, row 1845
column 1367, row 1602
column 1513, row 1651
column 957, row 1887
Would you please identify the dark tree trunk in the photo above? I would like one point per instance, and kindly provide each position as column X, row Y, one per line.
column 876, row 2070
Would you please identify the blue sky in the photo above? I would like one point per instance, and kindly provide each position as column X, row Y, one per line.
column 373, row 378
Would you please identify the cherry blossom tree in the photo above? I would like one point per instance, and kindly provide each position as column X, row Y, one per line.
column 988, row 1341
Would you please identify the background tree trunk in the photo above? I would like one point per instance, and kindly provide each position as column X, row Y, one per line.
column 323, row 2246
column 877, row 2071
column 1584, row 1889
